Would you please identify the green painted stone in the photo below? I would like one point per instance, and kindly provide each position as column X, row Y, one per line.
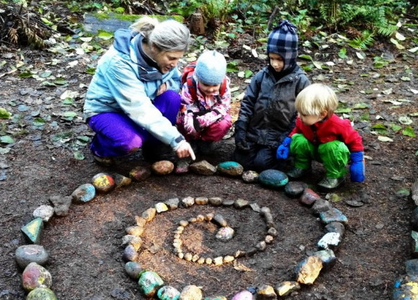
column 33, row 230
column 41, row 294
column 230, row 168
column 149, row 282
column 273, row 178
column 168, row 293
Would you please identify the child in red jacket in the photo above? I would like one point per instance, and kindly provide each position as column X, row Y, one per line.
column 321, row 135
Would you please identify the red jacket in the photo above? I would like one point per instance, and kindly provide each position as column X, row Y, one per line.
column 331, row 129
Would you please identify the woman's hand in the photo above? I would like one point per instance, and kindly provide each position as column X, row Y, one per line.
column 162, row 89
column 185, row 150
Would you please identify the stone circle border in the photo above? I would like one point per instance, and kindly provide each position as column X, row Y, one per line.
column 236, row 255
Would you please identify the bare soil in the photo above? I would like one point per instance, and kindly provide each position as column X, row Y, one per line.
column 85, row 246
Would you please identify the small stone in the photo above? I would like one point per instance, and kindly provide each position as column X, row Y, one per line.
column 163, row 167
column 191, row 292
column 168, row 293
column 287, row 287
column 62, row 204
column 228, row 259
column 261, row 245
column 220, row 220
column 336, row 227
column 149, row 214
column 130, row 254
column 273, row 178
column 183, row 223
column 161, row 207
column 225, row 234
column 321, row 205
column 140, row 221
column 309, row 197
column 203, row 168
column 295, row 189
column 218, row 261
column 327, row 257
column 135, row 230
column 272, row 231
column 103, row 182
column 133, row 269
column 411, row 267
column 243, row 295
column 333, row 215
column 135, row 241
column 201, row 260
column 250, row 176
column 173, row 203
column 140, row 173
column 180, row 255
column 209, row 217
column 182, row 167
column 27, row 254
column 149, row 282
column 188, row 256
column 216, row 298
column 192, row 220
column 240, row 253
column 41, row 294
column 195, row 258
column 265, row 292
column 308, row 270
column 268, row 239
column 330, row 239
column 200, row 218
column 241, row 203
column 230, row 168
column 84, row 193
column 120, row 180
column 187, row 201
column 255, row 207
column 215, row 201
column 227, row 202
column 35, row 276
column 208, row 261
column 45, row 212
column 201, row 200
column 33, row 230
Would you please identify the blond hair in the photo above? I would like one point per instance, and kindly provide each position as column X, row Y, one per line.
column 316, row 98
column 168, row 35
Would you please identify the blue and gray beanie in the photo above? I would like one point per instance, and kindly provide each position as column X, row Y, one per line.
column 211, row 68
column 283, row 40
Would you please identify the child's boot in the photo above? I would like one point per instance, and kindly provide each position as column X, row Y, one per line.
column 330, row 183
column 297, row 173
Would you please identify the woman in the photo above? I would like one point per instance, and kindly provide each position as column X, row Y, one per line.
column 133, row 97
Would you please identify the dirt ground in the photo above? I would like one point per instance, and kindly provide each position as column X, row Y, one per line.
column 85, row 246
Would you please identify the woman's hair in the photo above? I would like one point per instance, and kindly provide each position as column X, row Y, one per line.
column 168, row 35
column 316, row 98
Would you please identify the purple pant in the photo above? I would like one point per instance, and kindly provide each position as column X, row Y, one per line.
column 117, row 135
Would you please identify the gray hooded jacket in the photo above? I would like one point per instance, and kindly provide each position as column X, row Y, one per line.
column 268, row 107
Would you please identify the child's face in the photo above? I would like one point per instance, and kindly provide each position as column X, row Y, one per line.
column 276, row 61
column 209, row 90
column 309, row 120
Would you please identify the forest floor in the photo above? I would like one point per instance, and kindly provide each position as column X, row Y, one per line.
column 85, row 246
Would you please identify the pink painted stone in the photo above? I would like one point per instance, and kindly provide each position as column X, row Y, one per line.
column 35, row 276
column 309, row 197
column 243, row 295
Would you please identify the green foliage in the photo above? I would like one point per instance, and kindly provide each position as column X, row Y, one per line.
column 363, row 41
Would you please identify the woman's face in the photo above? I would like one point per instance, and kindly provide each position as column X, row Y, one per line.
column 167, row 60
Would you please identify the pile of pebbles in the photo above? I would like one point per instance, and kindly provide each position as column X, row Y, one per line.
column 37, row 280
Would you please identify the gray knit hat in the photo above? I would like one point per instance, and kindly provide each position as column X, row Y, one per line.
column 283, row 40
column 211, row 68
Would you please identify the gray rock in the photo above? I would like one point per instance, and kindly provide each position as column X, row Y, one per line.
column 133, row 269
column 321, row 205
column 295, row 189
column 216, row 201
column 173, row 203
column 45, row 212
column 336, row 227
column 411, row 267
column 61, row 204
column 203, row 168
column 27, row 254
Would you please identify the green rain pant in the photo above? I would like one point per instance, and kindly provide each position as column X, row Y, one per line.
column 333, row 155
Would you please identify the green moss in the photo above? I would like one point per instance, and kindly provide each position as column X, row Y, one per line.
column 133, row 18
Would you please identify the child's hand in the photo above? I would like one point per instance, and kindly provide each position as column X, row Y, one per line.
column 162, row 89
column 240, row 136
column 283, row 150
column 357, row 169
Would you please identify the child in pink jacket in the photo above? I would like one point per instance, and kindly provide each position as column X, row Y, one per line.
column 205, row 117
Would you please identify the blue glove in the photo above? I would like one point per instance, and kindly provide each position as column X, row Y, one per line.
column 283, row 150
column 357, row 169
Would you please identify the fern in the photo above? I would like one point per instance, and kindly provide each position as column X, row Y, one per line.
column 362, row 42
